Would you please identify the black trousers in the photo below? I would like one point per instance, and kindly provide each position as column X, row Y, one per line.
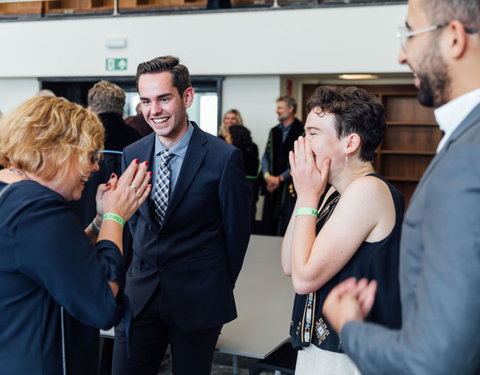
column 151, row 332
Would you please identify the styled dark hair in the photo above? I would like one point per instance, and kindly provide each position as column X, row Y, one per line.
column 355, row 111
column 290, row 101
column 240, row 136
column 179, row 72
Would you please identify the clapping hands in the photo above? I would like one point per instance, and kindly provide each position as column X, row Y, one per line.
column 124, row 195
column 349, row 300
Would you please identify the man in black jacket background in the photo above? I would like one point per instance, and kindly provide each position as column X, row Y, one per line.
column 107, row 101
column 279, row 193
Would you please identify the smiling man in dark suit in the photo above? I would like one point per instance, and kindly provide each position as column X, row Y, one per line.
column 189, row 239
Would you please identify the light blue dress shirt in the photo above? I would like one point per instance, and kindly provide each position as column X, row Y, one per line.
column 176, row 161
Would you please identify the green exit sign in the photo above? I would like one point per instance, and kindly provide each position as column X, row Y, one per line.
column 112, row 64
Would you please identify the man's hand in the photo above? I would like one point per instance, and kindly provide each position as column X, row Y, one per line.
column 273, row 182
column 349, row 300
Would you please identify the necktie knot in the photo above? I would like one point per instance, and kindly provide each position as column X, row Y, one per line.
column 165, row 157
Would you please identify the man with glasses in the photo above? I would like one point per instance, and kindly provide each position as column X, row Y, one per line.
column 440, row 245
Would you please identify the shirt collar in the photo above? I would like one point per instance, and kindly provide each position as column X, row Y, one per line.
column 288, row 126
column 180, row 148
column 451, row 114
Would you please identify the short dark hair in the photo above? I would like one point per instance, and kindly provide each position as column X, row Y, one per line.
column 290, row 101
column 440, row 12
column 179, row 72
column 355, row 111
column 105, row 96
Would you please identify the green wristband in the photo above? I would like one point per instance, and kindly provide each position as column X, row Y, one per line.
column 306, row 211
column 266, row 175
column 114, row 217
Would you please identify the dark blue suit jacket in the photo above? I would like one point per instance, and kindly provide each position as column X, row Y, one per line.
column 197, row 254
column 47, row 261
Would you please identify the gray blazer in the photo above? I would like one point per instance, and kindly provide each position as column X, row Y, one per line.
column 439, row 272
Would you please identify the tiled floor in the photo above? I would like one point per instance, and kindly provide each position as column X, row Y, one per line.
column 222, row 365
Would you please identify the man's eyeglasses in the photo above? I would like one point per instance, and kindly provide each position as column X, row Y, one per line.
column 404, row 34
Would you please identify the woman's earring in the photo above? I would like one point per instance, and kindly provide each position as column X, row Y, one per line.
column 346, row 160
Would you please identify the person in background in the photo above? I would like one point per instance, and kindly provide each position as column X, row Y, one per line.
column 138, row 122
column 279, row 193
column 240, row 137
column 356, row 232
column 107, row 101
column 231, row 117
column 440, row 244
column 189, row 238
column 45, row 92
column 49, row 265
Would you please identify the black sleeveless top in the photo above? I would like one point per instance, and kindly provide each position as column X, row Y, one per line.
column 373, row 260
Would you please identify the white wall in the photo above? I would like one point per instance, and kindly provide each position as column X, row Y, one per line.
column 255, row 98
column 13, row 91
column 302, row 41
column 255, row 50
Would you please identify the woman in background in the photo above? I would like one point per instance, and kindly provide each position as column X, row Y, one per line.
column 240, row 137
column 357, row 231
column 231, row 117
column 50, row 265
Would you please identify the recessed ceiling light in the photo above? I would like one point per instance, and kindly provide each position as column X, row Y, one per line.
column 358, row 76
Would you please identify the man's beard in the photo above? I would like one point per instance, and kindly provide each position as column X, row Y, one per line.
column 435, row 83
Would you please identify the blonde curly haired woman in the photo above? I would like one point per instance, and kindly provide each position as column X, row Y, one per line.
column 49, row 265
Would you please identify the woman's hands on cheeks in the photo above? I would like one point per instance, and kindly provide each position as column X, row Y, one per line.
column 308, row 180
column 125, row 195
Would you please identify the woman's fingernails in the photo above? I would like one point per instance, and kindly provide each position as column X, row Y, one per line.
column 146, row 163
column 107, row 185
column 113, row 175
column 136, row 161
column 150, row 173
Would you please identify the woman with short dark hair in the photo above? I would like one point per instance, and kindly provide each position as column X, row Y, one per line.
column 354, row 231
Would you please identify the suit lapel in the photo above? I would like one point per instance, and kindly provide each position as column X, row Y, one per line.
column 193, row 160
column 472, row 119
column 145, row 152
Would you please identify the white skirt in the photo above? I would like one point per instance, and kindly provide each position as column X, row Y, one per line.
column 315, row 361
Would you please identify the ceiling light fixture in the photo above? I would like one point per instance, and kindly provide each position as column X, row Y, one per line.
column 358, row 76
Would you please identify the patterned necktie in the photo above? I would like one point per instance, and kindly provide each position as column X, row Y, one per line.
column 162, row 186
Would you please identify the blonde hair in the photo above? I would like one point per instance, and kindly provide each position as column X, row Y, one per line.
column 223, row 129
column 44, row 134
